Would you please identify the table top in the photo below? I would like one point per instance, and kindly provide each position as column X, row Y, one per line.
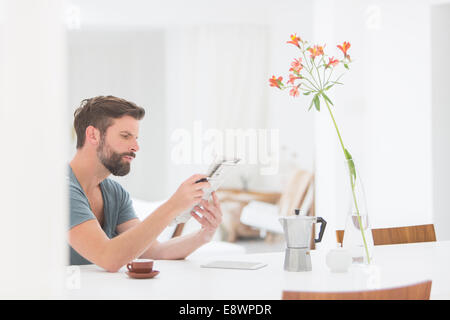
column 394, row 265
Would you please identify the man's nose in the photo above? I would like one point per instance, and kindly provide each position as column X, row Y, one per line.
column 135, row 147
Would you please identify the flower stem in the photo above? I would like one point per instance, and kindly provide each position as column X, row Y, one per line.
column 310, row 70
column 352, row 185
column 329, row 76
column 314, row 85
column 318, row 74
column 308, row 87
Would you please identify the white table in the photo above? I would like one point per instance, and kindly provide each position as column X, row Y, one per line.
column 395, row 265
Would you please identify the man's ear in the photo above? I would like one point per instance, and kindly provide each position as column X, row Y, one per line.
column 92, row 136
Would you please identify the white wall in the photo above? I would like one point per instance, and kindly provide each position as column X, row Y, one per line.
column 286, row 113
column 33, row 187
column 440, row 46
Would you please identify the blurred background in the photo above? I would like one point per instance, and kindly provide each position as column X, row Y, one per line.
column 200, row 68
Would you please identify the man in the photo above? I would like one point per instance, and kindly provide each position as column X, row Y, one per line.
column 104, row 228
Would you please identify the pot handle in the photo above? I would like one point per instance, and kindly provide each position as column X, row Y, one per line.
column 323, row 224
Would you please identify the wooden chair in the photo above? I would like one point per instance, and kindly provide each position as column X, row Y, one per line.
column 418, row 291
column 420, row 233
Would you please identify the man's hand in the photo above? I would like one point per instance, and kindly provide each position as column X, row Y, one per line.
column 211, row 217
column 189, row 193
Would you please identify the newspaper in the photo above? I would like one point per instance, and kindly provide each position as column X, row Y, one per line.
column 218, row 171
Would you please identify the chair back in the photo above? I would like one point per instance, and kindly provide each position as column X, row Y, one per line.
column 418, row 291
column 398, row 235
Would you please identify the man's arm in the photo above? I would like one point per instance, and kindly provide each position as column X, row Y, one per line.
column 89, row 240
column 181, row 247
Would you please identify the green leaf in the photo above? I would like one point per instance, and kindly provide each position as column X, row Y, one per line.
column 329, row 87
column 348, row 156
column 346, row 66
column 312, row 102
column 351, row 168
column 307, row 93
column 351, row 164
column 317, row 102
column 326, row 98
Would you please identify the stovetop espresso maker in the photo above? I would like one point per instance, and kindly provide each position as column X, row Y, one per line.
column 298, row 231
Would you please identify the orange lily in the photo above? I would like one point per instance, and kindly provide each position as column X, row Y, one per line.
column 294, row 40
column 345, row 46
column 333, row 62
column 294, row 92
column 316, row 51
column 276, row 82
column 292, row 78
column 296, row 65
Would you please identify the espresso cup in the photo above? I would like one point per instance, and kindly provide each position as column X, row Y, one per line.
column 140, row 266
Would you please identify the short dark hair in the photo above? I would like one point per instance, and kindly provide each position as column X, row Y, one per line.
column 99, row 112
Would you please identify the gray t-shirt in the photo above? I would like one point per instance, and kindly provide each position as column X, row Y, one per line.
column 117, row 209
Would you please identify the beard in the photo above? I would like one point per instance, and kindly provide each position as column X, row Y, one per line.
column 112, row 160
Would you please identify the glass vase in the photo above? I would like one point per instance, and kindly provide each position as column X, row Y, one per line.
column 357, row 233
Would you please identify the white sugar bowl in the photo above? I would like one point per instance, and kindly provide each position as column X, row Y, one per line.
column 339, row 260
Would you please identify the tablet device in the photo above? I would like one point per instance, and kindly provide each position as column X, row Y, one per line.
column 245, row 265
column 217, row 173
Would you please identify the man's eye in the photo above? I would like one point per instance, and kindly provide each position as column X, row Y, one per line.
column 125, row 136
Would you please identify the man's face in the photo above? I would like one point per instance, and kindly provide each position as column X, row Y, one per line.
column 118, row 145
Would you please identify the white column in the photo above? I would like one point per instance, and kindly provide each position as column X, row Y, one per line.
column 440, row 48
column 325, row 136
column 34, row 136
